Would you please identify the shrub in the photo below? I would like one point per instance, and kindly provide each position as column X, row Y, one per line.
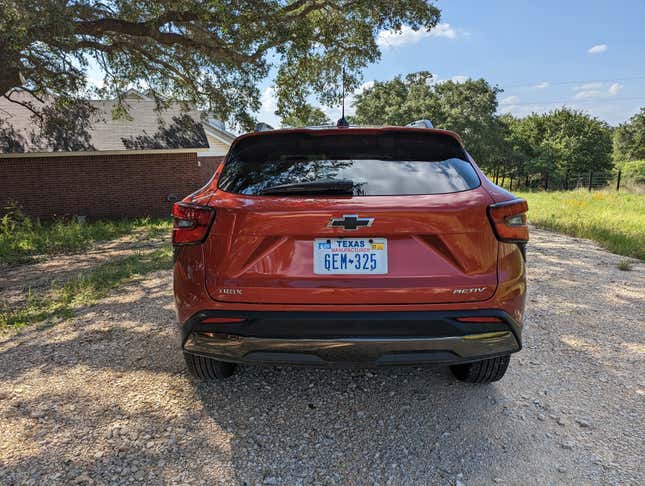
column 634, row 171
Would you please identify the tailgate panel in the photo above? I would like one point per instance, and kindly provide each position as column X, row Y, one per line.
column 441, row 249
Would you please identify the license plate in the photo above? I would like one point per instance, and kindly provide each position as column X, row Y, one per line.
column 333, row 256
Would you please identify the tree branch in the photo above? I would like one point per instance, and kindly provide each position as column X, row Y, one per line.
column 26, row 105
column 124, row 46
column 107, row 26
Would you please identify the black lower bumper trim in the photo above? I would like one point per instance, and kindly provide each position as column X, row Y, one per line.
column 351, row 352
column 351, row 338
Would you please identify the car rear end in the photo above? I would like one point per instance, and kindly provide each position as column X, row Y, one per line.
column 350, row 247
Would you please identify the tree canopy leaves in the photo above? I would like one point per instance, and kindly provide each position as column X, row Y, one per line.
column 210, row 53
column 303, row 115
column 555, row 143
column 559, row 142
column 467, row 108
column 629, row 139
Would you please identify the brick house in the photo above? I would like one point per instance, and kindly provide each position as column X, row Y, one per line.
column 88, row 163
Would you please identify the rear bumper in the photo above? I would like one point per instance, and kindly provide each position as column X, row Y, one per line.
column 351, row 338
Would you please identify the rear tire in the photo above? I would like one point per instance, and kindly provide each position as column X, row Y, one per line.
column 208, row 368
column 485, row 371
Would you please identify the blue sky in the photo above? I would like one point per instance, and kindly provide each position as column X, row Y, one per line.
column 589, row 55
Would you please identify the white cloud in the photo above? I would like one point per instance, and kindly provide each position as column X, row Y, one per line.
column 524, row 110
column 266, row 113
column 364, row 86
column 95, row 75
column 268, row 100
column 443, row 30
column 597, row 49
column 587, row 86
column 509, row 100
column 460, row 78
column 542, row 85
column 586, row 94
column 596, row 90
column 95, row 82
column 392, row 38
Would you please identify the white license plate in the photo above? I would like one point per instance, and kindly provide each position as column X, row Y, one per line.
column 333, row 256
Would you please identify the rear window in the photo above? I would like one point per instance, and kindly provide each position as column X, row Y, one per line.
column 384, row 164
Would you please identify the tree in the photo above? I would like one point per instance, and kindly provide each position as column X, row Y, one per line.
column 556, row 143
column 515, row 149
column 303, row 116
column 533, row 144
column 629, row 139
column 397, row 102
column 210, row 53
column 579, row 142
column 467, row 108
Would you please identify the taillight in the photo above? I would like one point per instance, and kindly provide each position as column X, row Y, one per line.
column 509, row 220
column 222, row 320
column 479, row 319
column 191, row 223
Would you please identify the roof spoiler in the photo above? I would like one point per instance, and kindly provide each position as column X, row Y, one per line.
column 421, row 124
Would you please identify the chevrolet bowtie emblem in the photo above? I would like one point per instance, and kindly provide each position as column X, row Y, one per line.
column 350, row 222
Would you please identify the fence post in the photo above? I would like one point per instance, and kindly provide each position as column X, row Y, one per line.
column 546, row 182
column 590, row 179
column 618, row 181
column 511, row 186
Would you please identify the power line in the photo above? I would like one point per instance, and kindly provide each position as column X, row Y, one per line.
column 586, row 100
column 561, row 83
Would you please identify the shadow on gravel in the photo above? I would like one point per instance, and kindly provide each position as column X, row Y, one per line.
column 119, row 365
column 312, row 424
column 382, row 423
column 135, row 331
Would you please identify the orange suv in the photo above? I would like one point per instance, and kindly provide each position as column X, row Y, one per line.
column 350, row 247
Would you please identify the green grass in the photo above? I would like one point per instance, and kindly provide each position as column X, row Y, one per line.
column 84, row 290
column 22, row 239
column 625, row 265
column 616, row 220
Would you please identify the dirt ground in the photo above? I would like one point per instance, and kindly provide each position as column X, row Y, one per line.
column 19, row 280
column 104, row 398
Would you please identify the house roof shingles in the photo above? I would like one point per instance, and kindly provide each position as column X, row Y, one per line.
column 143, row 128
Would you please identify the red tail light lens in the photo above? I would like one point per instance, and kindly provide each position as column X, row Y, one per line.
column 222, row 320
column 479, row 319
column 191, row 223
column 509, row 220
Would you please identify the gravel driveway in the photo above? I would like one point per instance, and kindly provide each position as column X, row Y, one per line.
column 104, row 398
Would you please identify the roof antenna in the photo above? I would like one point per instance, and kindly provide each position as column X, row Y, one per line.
column 342, row 122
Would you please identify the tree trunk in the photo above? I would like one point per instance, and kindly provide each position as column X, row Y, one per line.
column 9, row 73
column 9, row 79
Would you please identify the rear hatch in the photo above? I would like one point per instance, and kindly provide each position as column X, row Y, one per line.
column 350, row 217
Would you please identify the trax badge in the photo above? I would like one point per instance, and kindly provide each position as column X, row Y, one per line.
column 350, row 222
column 230, row 291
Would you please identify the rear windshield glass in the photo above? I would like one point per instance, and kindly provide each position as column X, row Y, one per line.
column 390, row 163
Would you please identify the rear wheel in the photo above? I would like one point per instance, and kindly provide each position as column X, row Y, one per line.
column 208, row 368
column 485, row 371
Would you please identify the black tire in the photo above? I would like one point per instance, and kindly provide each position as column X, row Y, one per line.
column 207, row 368
column 485, row 371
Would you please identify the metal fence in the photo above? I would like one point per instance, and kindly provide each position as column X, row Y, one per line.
column 554, row 182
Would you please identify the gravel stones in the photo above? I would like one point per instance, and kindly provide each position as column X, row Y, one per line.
column 103, row 398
